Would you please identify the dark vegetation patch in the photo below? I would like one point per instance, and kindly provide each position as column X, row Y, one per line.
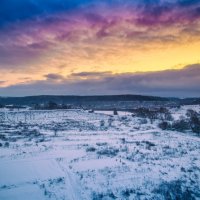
column 174, row 190
column 90, row 149
column 190, row 123
column 101, row 143
column 100, row 196
column 108, row 151
column 153, row 113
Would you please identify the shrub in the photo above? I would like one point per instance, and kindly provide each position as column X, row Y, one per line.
column 91, row 149
column 102, row 123
column 195, row 126
column 97, row 196
column 148, row 144
column 110, row 121
column 100, row 196
column 115, row 112
column 101, row 143
column 52, row 105
column 164, row 125
column 168, row 117
column 191, row 113
column 108, row 151
column 181, row 125
column 6, row 144
column 3, row 137
column 127, row 192
column 143, row 121
column 194, row 122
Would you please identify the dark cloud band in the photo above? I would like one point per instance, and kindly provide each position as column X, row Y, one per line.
column 178, row 83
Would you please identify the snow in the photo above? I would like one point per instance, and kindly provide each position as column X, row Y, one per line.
column 28, row 170
column 87, row 159
column 30, row 192
column 94, row 164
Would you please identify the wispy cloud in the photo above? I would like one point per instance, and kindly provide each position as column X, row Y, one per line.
column 31, row 28
column 92, row 74
column 87, row 36
column 54, row 77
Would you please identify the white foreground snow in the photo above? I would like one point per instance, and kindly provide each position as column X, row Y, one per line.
column 73, row 154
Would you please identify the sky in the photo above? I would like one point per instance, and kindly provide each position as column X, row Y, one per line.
column 90, row 47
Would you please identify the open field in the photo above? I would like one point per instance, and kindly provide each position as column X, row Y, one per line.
column 77, row 155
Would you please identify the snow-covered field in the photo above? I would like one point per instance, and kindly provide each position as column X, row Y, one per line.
column 76, row 155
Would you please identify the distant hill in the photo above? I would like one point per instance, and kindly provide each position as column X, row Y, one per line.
column 103, row 101
column 76, row 99
column 190, row 101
